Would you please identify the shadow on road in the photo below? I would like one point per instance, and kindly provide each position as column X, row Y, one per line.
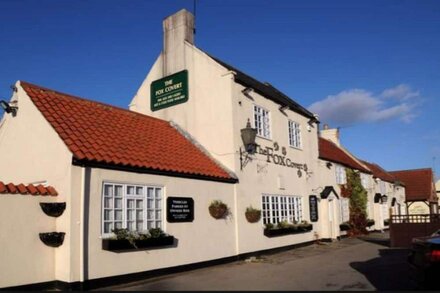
column 381, row 241
column 389, row 271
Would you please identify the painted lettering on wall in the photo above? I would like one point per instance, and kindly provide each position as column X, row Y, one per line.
column 279, row 159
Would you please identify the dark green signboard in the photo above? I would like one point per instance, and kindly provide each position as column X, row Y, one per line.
column 169, row 91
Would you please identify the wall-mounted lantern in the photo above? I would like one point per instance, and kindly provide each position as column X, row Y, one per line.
column 248, row 136
column 9, row 107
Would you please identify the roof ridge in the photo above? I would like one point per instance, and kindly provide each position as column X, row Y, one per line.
column 409, row 170
column 88, row 100
column 283, row 99
column 189, row 137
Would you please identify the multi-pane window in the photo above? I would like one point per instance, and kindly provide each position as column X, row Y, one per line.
column 294, row 134
column 134, row 207
column 345, row 210
column 340, row 174
column 277, row 208
column 364, row 180
column 262, row 121
column 382, row 187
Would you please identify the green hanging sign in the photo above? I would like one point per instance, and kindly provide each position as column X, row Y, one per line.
column 169, row 91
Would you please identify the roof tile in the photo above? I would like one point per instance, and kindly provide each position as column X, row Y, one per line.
column 12, row 188
column 101, row 133
column 379, row 172
column 331, row 152
column 419, row 184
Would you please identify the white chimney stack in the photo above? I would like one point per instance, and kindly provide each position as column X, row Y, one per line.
column 177, row 29
column 331, row 134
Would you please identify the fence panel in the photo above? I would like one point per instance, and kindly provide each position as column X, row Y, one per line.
column 403, row 228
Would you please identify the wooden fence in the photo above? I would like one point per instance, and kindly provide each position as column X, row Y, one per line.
column 403, row 228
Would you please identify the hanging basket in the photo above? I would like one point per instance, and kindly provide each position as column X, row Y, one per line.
column 218, row 210
column 52, row 239
column 53, row 209
column 253, row 216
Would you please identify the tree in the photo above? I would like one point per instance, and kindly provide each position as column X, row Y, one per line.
column 358, row 203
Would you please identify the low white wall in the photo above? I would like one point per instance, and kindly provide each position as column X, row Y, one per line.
column 201, row 240
column 24, row 259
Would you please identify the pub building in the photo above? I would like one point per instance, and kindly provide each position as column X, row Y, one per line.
column 385, row 194
column 201, row 144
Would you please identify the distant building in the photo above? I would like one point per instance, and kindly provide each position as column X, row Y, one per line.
column 421, row 197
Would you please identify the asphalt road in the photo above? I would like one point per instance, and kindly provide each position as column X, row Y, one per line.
column 349, row 264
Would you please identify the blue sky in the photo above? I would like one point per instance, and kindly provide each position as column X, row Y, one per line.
column 371, row 68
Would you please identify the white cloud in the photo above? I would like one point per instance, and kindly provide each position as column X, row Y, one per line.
column 401, row 92
column 357, row 105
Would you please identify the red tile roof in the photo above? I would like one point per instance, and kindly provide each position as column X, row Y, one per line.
column 106, row 135
column 419, row 184
column 379, row 172
column 27, row 189
column 329, row 151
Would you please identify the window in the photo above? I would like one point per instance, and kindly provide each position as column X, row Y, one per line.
column 382, row 187
column 340, row 174
column 294, row 134
column 364, row 180
column 134, row 207
column 262, row 121
column 277, row 208
column 345, row 210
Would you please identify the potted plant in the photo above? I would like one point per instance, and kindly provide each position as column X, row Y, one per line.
column 284, row 228
column 218, row 209
column 132, row 240
column 305, row 226
column 345, row 226
column 252, row 215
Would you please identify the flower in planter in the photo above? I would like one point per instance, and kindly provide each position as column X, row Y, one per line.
column 218, row 209
column 252, row 215
column 283, row 225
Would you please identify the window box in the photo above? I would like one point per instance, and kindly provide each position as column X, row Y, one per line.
column 124, row 244
column 345, row 226
column 289, row 230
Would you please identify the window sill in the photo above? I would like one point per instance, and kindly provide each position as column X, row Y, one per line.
column 295, row 148
column 124, row 245
column 265, row 138
column 287, row 231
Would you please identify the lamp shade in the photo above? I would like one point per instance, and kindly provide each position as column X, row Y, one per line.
column 248, row 136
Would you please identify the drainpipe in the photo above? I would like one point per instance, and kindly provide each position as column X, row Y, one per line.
column 81, row 228
column 84, row 222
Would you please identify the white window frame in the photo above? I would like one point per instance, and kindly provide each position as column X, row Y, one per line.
column 345, row 209
column 277, row 208
column 364, row 180
column 341, row 176
column 294, row 129
column 382, row 187
column 262, row 122
column 141, row 194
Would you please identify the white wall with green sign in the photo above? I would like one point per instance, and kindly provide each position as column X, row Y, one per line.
column 169, row 91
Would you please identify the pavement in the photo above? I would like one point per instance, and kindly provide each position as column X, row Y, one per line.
column 365, row 263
